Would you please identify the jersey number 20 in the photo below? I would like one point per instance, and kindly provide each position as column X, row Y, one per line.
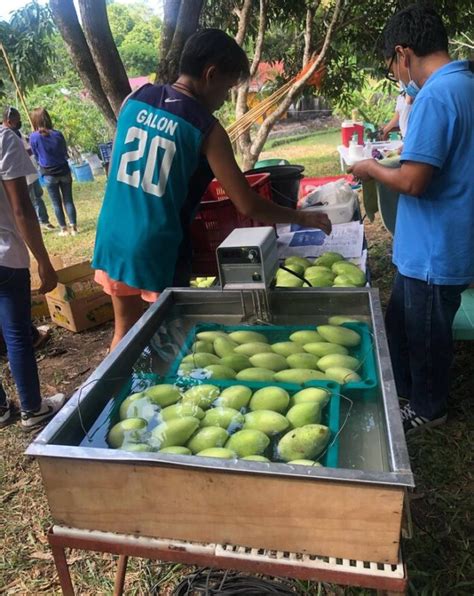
column 134, row 177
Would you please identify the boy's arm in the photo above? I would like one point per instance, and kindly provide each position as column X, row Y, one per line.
column 28, row 226
column 219, row 153
column 411, row 178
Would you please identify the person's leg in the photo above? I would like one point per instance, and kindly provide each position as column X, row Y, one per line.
column 65, row 183
column 54, row 192
column 15, row 313
column 127, row 311
column 36, row 195
column 397, row 337
column 431, row 313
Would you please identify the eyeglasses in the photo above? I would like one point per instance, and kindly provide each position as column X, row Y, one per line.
column 389, row 75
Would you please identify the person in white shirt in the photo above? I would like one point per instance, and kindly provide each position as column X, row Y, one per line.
column 12, row 119
column 400, row 118
column 19, row 229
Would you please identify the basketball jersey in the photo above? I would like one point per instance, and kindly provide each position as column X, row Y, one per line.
column 156, row 153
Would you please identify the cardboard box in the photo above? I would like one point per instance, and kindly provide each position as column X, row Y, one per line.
column 78, row 302
column 39, row 306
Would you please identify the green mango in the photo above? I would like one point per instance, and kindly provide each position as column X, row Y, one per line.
column 339, row 335
column 255, row 374
column 295, row 260
column 270, row 398
column 202, row 346
column 236, row 362
column 210, row 336
column 248, row 442
column 200, row 359
column 201, row 395
column 327, row 259
column 269, row 422
column 342, row 375
column 350, row 271
column 220, row 372
column 305, row 442
column 286, row 348
column 305, row 462
column 126, row 410
column 296, row 267
column 303, row 414
column 130, row 430
column 311, row 394
column 323, row 348
column 341, row 319
column 175, row 432
column 237, row 397
column 207, row 438
column 246, row 337
column 181, row 410
column 223, row 346
column 321, row 280
column 299, row 376
column 219, row 452
column 163, row 395
column 270, row 361
column 316, row 270
column 175, row 450
column 252, row 348
column 227, row 418
column 302, row 361
column 305, row 336
column 338, row 360
column 261, row 458
column 289, row 281
column 185, row 369
column 138, row 447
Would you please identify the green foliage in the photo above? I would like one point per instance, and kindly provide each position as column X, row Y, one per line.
column 375, row 101
column 137, row 34
column 76, row 116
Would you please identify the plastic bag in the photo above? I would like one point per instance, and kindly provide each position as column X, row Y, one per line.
column 333, row 193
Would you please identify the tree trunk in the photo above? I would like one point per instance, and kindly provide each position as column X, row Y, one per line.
column 181, row 21
column 65, row 18
column 256, row 147
column 113, row 76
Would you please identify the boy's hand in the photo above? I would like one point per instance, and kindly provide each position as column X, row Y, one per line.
column 361, row 169
column 48, row 277
column 311, row 219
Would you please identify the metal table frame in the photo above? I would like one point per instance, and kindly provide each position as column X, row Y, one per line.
column 290, row 565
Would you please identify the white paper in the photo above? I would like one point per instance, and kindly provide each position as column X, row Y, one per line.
column 346, row 239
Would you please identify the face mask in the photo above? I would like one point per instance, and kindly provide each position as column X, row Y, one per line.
column 412, row 88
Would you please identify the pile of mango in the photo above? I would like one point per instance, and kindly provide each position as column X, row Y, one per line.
column 202, row 282
column 328, row 270
column 308, row 355
column 232, row 423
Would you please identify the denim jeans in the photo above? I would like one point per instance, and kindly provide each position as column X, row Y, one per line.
column 36, row 196
column 15, row 321
column 60, row 192
column 419, row 322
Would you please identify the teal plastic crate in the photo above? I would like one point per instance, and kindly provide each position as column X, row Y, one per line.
column 330, row 414
column 463, row 326
column 363, row 352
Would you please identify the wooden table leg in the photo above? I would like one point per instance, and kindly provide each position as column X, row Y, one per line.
column 59, row 556
column 120, row 575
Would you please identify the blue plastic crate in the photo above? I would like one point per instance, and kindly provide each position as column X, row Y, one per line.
column 363, row 352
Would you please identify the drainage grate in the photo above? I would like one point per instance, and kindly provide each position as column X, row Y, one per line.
column 369, row 568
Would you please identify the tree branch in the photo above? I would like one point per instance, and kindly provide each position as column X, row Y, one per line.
column 262, row 24
column 308, row 32
column 270, row 120
column 65, row 18
column 111, row 71
column 244, row 18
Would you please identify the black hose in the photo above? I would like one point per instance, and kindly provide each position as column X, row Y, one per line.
column 303, row 279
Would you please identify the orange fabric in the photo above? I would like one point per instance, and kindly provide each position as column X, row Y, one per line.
column 117, row 288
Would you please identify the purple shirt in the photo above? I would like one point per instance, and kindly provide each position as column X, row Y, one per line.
column 50, row 150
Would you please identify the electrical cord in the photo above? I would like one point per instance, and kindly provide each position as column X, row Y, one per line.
column 207, row 582
column 303, row 279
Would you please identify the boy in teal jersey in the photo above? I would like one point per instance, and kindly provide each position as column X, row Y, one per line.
column 167, row 149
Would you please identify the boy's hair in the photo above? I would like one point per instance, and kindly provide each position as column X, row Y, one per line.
column 415, row 27
column 10, row 112
column 213, row 47
column 41, row 121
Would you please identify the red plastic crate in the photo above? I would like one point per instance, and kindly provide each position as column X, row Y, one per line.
column 217, row 218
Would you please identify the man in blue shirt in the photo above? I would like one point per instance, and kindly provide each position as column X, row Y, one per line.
column 434, row 239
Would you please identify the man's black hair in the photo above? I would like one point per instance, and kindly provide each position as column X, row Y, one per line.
column 10, row 111
column 415, row 27
column 213, row 47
